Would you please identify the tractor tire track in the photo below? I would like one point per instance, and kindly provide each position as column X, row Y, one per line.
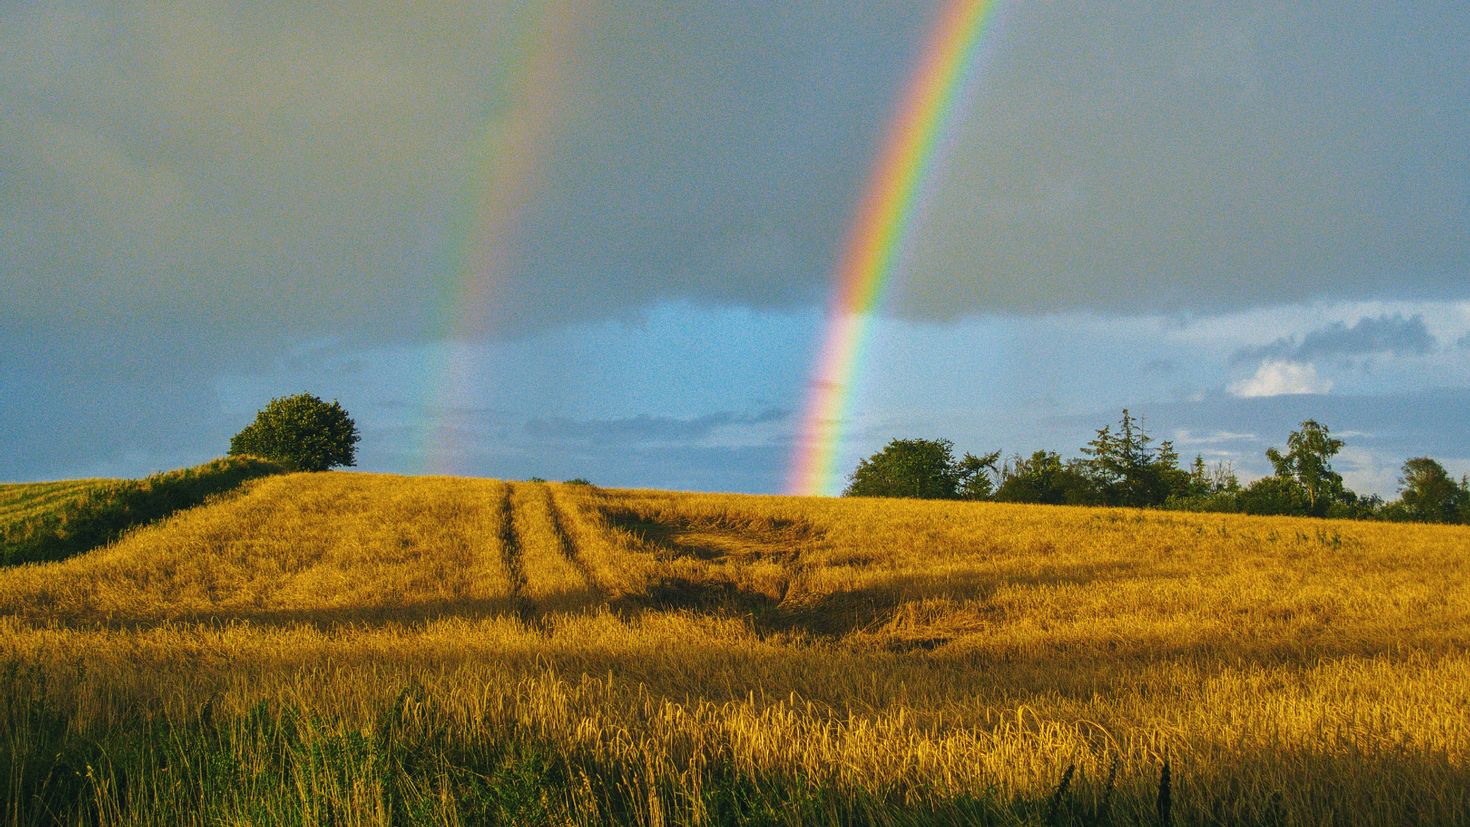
column 567, row 546
column 513, row 559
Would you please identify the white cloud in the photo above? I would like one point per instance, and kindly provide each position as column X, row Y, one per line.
column 1277, row 377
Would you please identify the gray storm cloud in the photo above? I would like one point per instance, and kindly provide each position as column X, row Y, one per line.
column 270, row 170
column 1173, row 157
column 1385, row 334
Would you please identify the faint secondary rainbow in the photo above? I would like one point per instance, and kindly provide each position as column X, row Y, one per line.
column 878, row 235
column 508, row 157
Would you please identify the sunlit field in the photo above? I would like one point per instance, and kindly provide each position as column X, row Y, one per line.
column 19, row 500
column 362, row 649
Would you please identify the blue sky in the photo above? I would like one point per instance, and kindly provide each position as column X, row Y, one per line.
column 1226, row 220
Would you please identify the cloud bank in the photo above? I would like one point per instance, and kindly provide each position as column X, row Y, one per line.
column 190, row 191
column 267, row 170
column 1394, row 335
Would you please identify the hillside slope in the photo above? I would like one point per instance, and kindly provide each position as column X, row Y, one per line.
column 637, row 656
column 54, row 520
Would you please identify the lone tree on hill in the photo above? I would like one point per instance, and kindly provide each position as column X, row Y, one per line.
column 301, row 430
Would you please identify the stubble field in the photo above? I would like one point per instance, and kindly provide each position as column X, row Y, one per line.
column 362, row 649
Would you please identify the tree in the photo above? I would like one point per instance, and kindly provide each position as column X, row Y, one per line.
column 921, row 468
column 302, row 431
column 1428, row 493
column 1205, row 488
column 1353, row 507
column 976, row 476
column 1044, row 478
column 1274, row 495
column 1307, row 462
column 1129, row 472
column 1165, row 478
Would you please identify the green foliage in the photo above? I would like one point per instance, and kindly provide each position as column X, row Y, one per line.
column 1427, row 493
column 1353, row 507
column 1045, row 478
column 919, row 468
column 1307, row 462
column 578, row 481
column 1274, row 495
column 301, row 430
column 103, row 511
column 977, row 475
column 922, row 469
column 1124, row 468
column 1127, row 471
column 1207, row 488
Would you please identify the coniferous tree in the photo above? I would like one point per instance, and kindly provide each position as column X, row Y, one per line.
column 1127, row 471
column 976, row 476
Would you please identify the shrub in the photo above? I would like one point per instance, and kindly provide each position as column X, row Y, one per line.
column 922, row 468
column 1275, row 495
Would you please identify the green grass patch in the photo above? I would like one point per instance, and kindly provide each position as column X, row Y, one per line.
column 19, row 500
column 52, row 521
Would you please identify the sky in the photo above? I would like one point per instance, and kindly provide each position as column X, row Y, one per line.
column 600, row 239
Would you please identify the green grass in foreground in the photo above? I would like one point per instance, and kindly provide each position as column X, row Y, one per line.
column 52, row 521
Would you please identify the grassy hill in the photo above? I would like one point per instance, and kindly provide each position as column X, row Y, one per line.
column 22, row 500
column 352, row 648
column 54, row 520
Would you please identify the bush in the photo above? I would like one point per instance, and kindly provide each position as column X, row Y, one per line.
column 1045, row 478
column 1275, row 496
column 921, row 468
column 302, row 431
column 1214, row 502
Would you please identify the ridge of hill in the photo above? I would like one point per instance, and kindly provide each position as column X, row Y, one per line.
column 53, row 520
column 355, row 647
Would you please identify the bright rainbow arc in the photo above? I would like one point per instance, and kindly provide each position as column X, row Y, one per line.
column 878, row 236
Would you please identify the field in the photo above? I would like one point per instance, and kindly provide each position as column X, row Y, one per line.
column 362, row 649
column 19, row 501
column 46, row 521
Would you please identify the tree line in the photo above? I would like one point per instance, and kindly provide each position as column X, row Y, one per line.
column 1127, row 467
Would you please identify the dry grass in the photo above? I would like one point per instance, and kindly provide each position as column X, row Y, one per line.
column 896, row 657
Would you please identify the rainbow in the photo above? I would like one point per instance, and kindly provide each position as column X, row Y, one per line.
column 878, row 235
column 508, row 158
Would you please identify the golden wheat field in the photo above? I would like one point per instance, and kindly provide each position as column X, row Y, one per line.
column 359, row 649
